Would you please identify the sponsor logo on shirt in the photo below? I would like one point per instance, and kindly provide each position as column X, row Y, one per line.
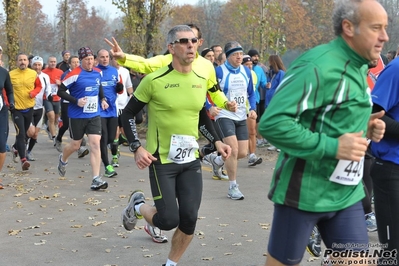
column 170, row 86
column 108, row 83
column 198, row 86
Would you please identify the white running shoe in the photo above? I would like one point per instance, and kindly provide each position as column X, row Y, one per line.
column 155, row 233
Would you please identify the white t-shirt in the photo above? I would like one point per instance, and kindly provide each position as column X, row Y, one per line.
column 123, row 98
column 46, row 90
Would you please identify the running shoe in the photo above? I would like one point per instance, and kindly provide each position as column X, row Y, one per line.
column 115, row 162
column 83, row 151
column 235, row 193
column 206, row 159
column 61, row 166
column 155, row 233
column 314, row 243
column 25, row 165
column 115, row 146
column 48, row 133
column 254, row 160
column 220, row 175
column 109, row 171
column 57, row 145
column 215, row 166
column 29, row 156
column 371, row 222
column 1, row 184
column 129, row 214
column 14, row 154
column 260, row 143
column 98, row 183
column 273, row 148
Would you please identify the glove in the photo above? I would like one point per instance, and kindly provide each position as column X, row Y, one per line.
column 11, row 108
column 50, row 98
column 119, row 87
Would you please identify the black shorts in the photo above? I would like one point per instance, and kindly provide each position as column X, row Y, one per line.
column 80, row 126
column 228, row 127
column 37, row 116
column 52, row 106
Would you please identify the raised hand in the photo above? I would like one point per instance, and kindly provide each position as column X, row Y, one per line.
column 116, row 50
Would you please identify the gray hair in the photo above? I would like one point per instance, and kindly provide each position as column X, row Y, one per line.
column 172, row 34
column 345, row 9
column 230, row 45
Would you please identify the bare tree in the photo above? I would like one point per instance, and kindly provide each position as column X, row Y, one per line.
column 211, row 12
column 34, row 29
column 142, row 20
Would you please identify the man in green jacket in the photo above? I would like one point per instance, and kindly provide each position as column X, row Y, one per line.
column 320, row 117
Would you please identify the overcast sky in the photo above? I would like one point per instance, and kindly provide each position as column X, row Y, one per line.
column 50, row 6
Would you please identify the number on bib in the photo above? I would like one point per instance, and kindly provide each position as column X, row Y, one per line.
column 182, row 149
column 348, row 173
column 92, row 105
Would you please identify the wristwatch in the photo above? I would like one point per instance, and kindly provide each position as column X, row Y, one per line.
column 133, row 147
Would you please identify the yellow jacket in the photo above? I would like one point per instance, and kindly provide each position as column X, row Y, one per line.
column 23, row 83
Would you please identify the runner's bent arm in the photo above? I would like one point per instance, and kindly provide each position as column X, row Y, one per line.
column 37, row 88
column 282, row 124
column 206, row 127
column 62, row 92
column 9, row 90
column 392, row 126
column 129, row 125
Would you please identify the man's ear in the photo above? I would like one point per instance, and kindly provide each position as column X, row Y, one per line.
column 348, row 28
column 200, row 42
column 171, row 48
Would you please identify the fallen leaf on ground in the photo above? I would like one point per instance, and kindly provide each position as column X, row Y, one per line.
column 42, row 242
column 99, row 223
column 76, row 226
column 13, row 232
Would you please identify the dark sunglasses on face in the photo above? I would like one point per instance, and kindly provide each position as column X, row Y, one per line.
column 185, row 41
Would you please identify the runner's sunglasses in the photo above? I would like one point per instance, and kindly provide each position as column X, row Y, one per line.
column 185, row 41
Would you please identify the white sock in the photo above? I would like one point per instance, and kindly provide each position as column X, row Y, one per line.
column 170, row 263
column 219, row 161
column 232, row 183
column 252, row 155
column 137, row 209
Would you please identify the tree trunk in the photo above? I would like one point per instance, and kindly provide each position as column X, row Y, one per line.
column 12, row 22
